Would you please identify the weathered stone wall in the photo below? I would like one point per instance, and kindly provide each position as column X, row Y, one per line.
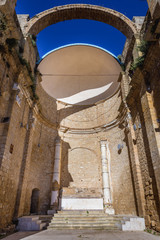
column 89, row 116
column 81, row 174
column 124, row 200
column 41, row 167
column 11, row 162
column 143, row 101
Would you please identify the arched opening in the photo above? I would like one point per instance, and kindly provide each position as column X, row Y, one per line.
column 80, row 31
column 81, row 11
column 34, row 201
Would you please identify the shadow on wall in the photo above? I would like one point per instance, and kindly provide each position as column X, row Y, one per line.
column 66, row 177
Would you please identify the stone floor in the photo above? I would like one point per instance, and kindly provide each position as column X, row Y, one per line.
column 82, row 234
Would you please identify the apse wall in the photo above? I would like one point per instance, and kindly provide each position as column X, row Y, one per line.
column 81, row 129
column 80, row 150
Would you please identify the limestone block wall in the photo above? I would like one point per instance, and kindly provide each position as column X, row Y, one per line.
column 48, row 105
column 124, row 200
column 146, row 145
column 41, row 167
column 81, row 167
column 81, row 154
column 81, row 175
column 154, row 6
column 143, row 99
column 89, row 116
column 11, row 161
column 6, row 4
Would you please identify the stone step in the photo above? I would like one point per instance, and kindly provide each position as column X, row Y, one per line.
column 30, row 223
column 42, row 226
column 100, row 227
column 45, row 217
column 87, row 217
column 95, row 220
column 84, row 222
column 29, row 218
column 46, row 220
column 72, row 212
column 78, row 215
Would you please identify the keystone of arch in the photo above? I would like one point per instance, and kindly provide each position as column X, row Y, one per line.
column 81, row 11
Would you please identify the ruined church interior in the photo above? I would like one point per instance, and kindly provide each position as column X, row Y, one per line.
column 80, row 128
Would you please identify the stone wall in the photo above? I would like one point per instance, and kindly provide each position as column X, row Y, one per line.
column 11, row 161
column 41, row 167
column 143, row 98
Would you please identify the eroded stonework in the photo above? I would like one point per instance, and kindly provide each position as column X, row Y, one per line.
column 100, row 156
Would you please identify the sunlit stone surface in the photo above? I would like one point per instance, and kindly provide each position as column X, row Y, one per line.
column 80, row 74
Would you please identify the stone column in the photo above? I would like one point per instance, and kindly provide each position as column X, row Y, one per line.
column 105, row 155
column 56, row 175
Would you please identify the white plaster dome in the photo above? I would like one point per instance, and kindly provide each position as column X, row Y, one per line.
column 80, row 74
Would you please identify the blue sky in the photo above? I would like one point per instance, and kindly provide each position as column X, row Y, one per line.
column 82, row 31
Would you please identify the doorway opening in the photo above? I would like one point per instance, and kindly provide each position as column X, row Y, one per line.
column 34, row 201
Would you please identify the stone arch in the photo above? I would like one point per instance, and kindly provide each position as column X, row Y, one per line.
column 81, row 11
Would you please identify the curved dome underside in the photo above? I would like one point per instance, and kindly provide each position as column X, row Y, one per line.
column 80, row 74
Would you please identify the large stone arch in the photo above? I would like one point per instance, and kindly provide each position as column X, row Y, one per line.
column 81, row 11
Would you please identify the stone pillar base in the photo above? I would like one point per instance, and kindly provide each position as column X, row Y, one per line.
column 109, row 209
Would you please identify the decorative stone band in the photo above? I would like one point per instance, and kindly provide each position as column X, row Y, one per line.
column 120, row 119
column 65, row 129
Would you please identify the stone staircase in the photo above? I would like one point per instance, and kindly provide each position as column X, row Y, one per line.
column 81, row 220
column 45, row 219
column 95, row 220
column 85, row 220
column 33, row 223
